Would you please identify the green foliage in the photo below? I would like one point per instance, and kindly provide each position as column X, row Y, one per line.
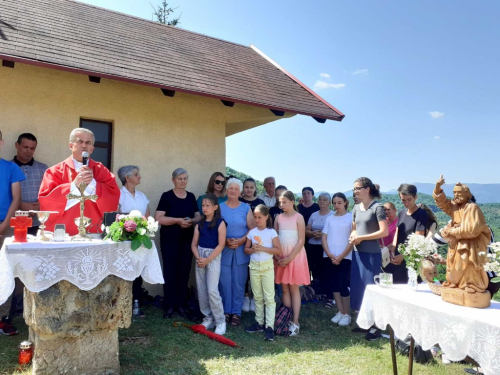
column 162, row 12
column 242, row 176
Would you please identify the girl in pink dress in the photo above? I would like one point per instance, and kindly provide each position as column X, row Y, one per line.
column 291, row 269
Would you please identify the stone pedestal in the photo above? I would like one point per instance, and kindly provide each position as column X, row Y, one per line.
column 76, row 332
column 462, row 298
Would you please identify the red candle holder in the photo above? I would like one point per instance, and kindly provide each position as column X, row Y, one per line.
column 21, row 222
column 25, row 352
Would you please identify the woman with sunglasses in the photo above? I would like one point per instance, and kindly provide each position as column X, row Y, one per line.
column 216, row 185
column 368, row 227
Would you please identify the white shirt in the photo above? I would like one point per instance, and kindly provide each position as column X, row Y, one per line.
column 128, row 202
column 338, row 229
column 266, row 237
column 89, row 190
column 268, row 200
column 317, row 222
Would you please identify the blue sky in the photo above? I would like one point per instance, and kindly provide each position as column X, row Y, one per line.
column 418, row 82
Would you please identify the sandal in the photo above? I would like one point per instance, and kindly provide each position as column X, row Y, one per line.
column 235, row 320
column 228, row 318
column 329, row 304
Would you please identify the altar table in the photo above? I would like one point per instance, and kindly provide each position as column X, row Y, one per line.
column 460, row 331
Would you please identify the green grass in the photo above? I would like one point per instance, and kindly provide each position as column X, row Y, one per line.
column 154, row 346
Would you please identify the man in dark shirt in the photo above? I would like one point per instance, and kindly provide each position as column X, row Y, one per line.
column 412, row 219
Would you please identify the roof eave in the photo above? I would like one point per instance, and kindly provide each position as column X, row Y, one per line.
column 48, row 65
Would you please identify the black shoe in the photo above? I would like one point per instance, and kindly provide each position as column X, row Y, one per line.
column 256, row 327
column 374, row 334
column 168, row 314
column 183, row 312
column 360, row 330
column 269, row 336
column 473, row 371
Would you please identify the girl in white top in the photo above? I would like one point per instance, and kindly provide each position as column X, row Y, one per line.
column 262, row 243
column 337, row 253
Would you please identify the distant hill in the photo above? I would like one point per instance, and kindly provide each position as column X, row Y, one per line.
column 484, row 193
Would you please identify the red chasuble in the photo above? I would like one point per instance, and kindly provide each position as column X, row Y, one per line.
column 56, row 184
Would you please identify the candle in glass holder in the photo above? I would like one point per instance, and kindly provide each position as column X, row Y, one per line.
column 25, row 352
column 21, row 222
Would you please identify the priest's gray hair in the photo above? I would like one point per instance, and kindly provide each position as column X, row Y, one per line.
column 75, row 131
column 178, row 172
column 125, row 172
column 234, row 181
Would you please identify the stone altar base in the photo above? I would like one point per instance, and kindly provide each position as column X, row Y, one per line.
column 462, row 298
column 76, row 332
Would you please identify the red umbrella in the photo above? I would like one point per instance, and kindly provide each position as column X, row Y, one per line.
column 198, row 328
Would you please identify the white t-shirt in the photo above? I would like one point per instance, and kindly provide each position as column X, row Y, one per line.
column 338, row 229
column 266, row 240
column 128, row 202
column 317, row 222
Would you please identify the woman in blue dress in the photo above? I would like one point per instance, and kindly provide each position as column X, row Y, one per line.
column 234, row 261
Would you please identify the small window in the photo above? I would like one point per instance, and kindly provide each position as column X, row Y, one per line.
column 103, row 143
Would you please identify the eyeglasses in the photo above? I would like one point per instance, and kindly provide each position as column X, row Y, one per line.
column 358, row 188
column 219, row 182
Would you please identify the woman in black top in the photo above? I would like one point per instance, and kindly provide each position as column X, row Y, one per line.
column 249, row 195
column 177, row 211
column 307, row 207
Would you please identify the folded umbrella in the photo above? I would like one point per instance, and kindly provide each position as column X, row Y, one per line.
column 198, row 328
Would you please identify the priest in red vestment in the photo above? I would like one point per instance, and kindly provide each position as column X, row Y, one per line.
column 63, row 178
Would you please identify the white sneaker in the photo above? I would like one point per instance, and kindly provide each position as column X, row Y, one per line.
column 293, row 329
column 208, row 323
column 221, row 328
column 345, row 320
column 445, row 359
column 337, row 317
column 246, row 305
column 252, row 305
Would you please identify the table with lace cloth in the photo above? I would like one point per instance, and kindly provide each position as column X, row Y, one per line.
column 39, row 265
column 460, row 331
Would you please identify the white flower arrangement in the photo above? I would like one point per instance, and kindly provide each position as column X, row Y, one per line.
column 417, row 248
column 493, row 264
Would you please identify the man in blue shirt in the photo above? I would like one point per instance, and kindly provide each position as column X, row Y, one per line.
column 10, row 199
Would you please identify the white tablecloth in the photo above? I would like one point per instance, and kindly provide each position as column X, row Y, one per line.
column 459, row 331
column 40, row 265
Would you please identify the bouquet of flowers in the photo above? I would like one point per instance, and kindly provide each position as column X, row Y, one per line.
column 133, row 227
column 416, row 249
column 494, row 261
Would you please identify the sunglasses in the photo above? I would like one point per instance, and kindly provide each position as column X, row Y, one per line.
column 358, row 188
column 219, row 182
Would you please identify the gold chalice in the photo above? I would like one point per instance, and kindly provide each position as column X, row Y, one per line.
column 43, row 216
column 82, row 233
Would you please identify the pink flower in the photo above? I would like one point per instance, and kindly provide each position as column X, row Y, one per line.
column 117, row 217
column 130, row 225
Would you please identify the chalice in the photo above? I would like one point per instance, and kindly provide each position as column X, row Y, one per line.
column 43, row 216
column 82, row 225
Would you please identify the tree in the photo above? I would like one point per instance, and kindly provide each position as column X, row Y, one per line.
column 162, row 12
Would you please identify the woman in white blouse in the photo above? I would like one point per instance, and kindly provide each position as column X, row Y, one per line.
column 130, row 198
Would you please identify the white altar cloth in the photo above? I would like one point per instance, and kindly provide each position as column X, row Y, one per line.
column 459, row 331
column 40, row 265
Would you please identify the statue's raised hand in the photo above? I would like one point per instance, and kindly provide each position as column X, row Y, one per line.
column 440, row 182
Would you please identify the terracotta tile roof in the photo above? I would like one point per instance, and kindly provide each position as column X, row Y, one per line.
column 69, row 35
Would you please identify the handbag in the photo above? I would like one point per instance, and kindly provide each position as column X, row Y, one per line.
column 386, row 256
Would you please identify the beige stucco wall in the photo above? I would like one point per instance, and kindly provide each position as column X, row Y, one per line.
column 155, row 132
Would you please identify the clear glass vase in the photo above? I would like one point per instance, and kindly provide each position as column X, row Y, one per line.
column 412, row 279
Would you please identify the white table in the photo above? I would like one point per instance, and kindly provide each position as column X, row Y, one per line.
column 459, row 331
column 39, row 265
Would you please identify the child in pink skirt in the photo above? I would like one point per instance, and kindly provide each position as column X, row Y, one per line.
column 291, row 266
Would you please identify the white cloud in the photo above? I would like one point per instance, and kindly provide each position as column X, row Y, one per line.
column 320, row 85
column 324, row 75
column 436, row 114
column 437, row 137
column 360, row 71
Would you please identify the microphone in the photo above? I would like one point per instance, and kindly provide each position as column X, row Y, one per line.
column 85, row 158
